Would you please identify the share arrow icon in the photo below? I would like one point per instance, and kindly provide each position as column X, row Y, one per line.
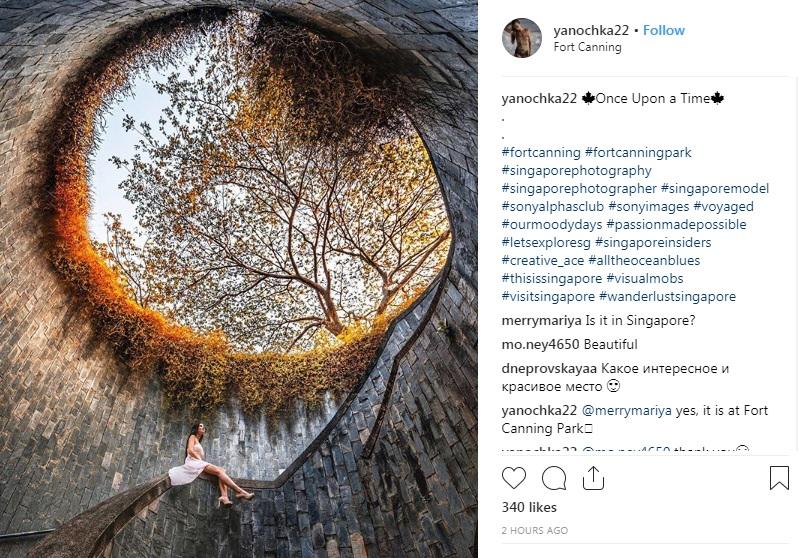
column 593, row 481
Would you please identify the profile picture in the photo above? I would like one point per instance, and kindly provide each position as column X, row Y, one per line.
column 522, row 37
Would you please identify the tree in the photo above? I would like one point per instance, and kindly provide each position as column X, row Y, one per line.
column 256, row 227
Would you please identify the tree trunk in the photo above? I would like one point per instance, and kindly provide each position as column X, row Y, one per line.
column 334, row 326
column 387, row 297
column 332, row 322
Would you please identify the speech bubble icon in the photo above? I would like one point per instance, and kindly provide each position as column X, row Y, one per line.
column 554, row 478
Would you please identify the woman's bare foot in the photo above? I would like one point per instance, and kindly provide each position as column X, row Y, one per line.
column 244, row 495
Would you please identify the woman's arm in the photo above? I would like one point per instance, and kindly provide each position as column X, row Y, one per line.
column 191, row 450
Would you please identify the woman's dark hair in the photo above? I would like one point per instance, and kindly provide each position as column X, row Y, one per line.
column 194, row 432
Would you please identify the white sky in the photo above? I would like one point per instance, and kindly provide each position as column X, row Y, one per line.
column 144, row 104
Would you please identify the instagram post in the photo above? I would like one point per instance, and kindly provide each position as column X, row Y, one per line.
column 398, row 278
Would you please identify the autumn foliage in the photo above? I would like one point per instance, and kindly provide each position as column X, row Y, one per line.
column 200, row 370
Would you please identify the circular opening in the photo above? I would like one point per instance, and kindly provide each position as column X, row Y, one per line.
column 277, row 207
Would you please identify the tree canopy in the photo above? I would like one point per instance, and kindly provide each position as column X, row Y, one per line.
column 268, row 217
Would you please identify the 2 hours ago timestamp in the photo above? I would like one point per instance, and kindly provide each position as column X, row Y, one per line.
column 521, row 506
column 534, row 530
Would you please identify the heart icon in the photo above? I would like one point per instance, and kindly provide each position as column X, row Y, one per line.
column 514, row 476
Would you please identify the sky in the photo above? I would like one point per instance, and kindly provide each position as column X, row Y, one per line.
column 144, row 104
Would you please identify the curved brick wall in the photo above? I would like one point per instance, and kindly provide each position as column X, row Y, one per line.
column 76, row 428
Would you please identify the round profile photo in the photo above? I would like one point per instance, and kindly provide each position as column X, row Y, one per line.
column 522, row 37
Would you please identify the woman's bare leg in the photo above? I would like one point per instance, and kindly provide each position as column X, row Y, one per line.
column 224, row 478
column 222, row 489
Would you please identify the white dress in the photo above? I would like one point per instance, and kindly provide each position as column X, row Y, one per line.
column 189, row 470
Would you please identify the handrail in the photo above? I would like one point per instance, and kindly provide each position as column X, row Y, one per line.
column 93, row 535
column 434, row 290
column 23, row 534
column 371, row 442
